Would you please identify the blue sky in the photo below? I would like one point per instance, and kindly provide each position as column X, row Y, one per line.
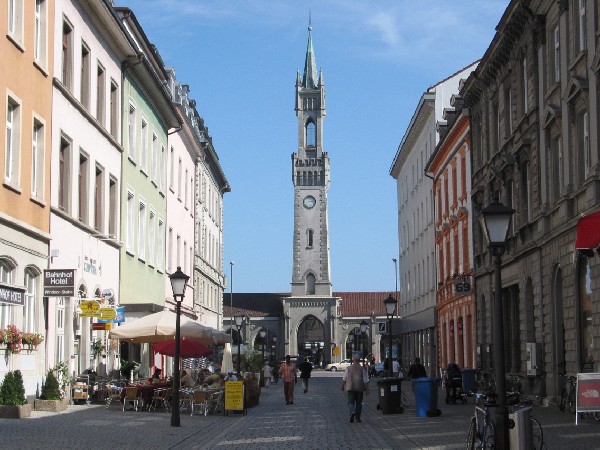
column 240, row 60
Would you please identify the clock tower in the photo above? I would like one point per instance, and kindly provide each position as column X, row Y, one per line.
column 310, row 176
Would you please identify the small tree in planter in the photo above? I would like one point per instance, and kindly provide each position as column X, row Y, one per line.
column 51, row 398
column 12, row 397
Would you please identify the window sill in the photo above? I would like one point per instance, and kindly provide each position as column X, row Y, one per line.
column 142, row 259
column 143, row 172
column 12, row 187
column 154, row 183
column 16, row 43
column 129, row 252
column 131, row 160
column 38, row 201
column 41, row 68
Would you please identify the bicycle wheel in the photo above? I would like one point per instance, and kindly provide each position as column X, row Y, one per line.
column 597, row 416
column 472, row 434
column 537, row 433
column 489, row 439
column 570, row 406
column 404, row 400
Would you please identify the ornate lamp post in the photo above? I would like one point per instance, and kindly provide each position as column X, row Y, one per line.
column 363, row 329
column 262, row 335
column 495, row 220
column 390, row 309
column 178, row 284
column 238, row 324
column 231, row 297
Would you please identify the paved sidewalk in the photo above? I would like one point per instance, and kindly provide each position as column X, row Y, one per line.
column 316, row 420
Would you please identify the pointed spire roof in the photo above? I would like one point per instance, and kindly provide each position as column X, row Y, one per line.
column 309, row 80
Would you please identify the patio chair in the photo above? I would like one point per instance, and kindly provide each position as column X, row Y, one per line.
column 199, row 402
column 185, row 398
column 215, row 402
column 114, row 393
column 132, row 398
column 160, row 398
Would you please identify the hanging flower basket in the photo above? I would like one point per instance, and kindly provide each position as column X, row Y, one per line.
column 12, row 338
column 32, row 340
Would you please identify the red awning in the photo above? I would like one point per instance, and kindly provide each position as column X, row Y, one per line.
column 588, row 234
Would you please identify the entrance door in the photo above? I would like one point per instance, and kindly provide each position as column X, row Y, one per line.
column 311, row 339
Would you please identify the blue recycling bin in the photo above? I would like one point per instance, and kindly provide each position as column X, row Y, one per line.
column 426, row 394
column 468, row 380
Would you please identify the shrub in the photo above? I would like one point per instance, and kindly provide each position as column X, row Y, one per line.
column 50, row 388
column 12, row 391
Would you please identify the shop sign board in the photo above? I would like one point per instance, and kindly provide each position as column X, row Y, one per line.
column 101, row 326
column 59, row 283
column 105, row 313
column 12, row 295
column 119, row 316
column 234, row 395
column 89, row 307
column 588, row 393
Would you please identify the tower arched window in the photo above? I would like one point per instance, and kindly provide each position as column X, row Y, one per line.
column 310, row 179
column 309, row 238
column 310, row 284
column 311, row 134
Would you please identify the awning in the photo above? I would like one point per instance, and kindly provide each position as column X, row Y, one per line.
column 588, row 234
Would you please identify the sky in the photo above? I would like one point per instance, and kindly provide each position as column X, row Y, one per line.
column 240, row 59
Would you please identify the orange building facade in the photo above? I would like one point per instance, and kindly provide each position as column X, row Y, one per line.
column 449, row 166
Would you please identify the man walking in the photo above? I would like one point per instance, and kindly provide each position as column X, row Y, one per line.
column 287, row 371
column 305, row 369
column 356, row 383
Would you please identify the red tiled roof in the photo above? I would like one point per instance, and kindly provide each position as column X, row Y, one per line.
column 362, row 304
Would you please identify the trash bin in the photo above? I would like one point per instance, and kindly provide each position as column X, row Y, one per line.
column 468, row 380
column 521, row 435
column 389, row 393
column 426, row 394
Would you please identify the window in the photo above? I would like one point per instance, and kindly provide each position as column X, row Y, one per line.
column 83, row 187
column 67, row 55
column 583, row 144
column 13, row 142
column 310, row 284
column 31, row 295
column 179, row 178
column 186, row 190
column 114, row 109
column 64, row 174
column 85, row 76
column 7, row 269
column 130, row 221
column 144, row 146
column 99, row 200
column 586, row 144
column 152, row 239
column 586, row 308
column 184, row 253
column 556, row 59
column 170, row 253
column 131, row 130
column 15, row 20
column 524, row 99
column 153, row 160
column 172, row 171
column 526, row 192
column 113, row 206
column 309, row 240
column 142, row 230
column 161, row 169
column 160, row 245
column 37, row 159
column 40, row 33
column 178, row 252
column 311, row 134
column 100, row 94
column 556, row 169
column 60, row 329
column 582, row 25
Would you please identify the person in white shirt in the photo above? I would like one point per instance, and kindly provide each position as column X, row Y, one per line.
column 356, row 383
column 186, row 379
column 395, row 368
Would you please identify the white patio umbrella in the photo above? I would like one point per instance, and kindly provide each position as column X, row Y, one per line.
column 160, row 326
column 227, row 363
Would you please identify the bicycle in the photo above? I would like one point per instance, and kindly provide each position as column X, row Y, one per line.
column 482, row 429
column 567, row 394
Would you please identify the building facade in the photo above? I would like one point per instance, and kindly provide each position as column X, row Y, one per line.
column 534, row 111
column 450, row 169
column 26, row 85
column 418, row 333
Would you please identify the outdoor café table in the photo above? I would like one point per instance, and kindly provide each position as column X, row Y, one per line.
column 146, row 391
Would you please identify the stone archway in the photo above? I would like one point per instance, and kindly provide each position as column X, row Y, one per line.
column 311, row 338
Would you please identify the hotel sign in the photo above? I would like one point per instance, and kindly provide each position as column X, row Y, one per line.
column 59, row 283
column 12, row 295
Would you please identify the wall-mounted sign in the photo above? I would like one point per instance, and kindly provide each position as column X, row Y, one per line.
column 12, row 295
column 105, row 313
column 382, row 327
column 59, row 283
column 107, row 293
column 89, row 308
column 462, row 286
column 118, row 318
column 101, row 326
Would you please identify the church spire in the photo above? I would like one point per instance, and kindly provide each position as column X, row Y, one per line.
column 309, row 79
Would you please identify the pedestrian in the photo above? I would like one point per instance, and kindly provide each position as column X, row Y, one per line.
column 305, row 369
column 395, row 368
column 186, row 379
column 287, row 371
column 417, row 370
column 356, row 384
column 267, row 374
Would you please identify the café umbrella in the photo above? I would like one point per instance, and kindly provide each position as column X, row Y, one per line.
column 188, row 348
column 227, row 363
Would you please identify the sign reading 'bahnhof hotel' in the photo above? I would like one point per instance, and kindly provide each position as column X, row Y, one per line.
column 59, row 283
column 12, row 295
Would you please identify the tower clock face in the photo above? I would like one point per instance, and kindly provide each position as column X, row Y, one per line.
column 309, row 202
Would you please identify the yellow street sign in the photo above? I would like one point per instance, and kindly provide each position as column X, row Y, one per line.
column 89, row 307
column 106, row 313
column 336, row 351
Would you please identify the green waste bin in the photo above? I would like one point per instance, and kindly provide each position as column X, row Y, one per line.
column 389, row 392
column 426, row 394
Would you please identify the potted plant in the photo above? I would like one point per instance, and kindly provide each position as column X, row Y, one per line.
column 32, row 340
column 12, row 397
column 50, row 398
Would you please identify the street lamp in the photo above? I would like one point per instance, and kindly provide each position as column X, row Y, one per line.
column 238, row 324
column 495, row 220
column 351, row 339
column 390, row 309
column 363, row 329
column 178, row 284
column 262, row 335
column 231, row 297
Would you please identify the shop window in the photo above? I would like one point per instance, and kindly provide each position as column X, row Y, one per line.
column 586, row 327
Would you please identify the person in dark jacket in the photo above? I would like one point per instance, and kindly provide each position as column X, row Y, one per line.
column 453, row 382
column 417, row 370
column 305, row 369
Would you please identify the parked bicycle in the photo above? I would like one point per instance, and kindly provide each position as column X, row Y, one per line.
column 517, row 401
column 482, row 431
column 567, row 394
